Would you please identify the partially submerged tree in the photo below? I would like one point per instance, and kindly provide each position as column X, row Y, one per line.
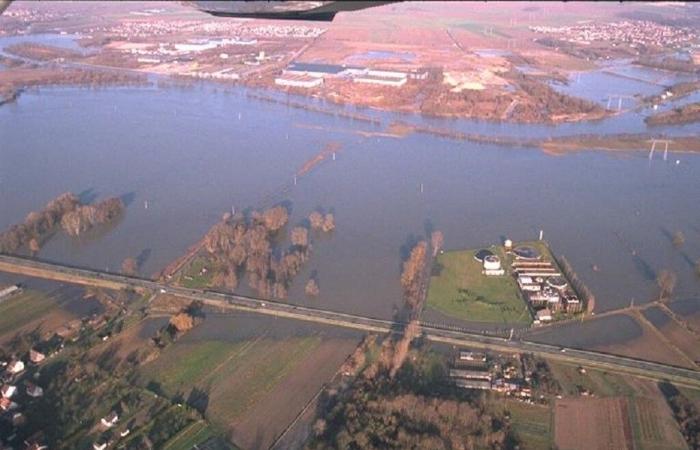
column 316, row 220
column 678, row 239
column 130, row 266
column 436, row 241
column 666, row 280
column 328, row 223
column 275, row 218
column 300, row 237
column 311, row 289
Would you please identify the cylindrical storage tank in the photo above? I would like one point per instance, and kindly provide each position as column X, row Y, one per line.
column 492, row 262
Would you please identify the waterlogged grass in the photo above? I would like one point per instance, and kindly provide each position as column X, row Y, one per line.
column 461, row 291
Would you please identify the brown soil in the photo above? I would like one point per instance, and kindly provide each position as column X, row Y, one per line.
column 592, row 424
column 272, row 414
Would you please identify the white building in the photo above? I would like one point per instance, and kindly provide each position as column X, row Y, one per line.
column 8, row 390
column 110, row 420
column 15, row 366
column 301, row 81
column 384, row 81
column 9, row 291
column 544, row 315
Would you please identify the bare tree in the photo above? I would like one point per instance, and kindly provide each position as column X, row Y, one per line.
column 130, row 266
column 436, row 241
column 666, row 280
column 328, row 222
column 678, row 239
column 34, row 246
column 316, row 220
column 311, row 288
column 275, row 218
column 300, row 236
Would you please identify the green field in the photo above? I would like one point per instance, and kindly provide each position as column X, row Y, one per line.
column 600, row 383
column 461, row 291
column 24, row 308
column 531, row 423
column 196, row 434
column 233, row 375
column 193, row 278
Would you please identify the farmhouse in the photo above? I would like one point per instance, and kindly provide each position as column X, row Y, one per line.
column 36, row 357
column 15, row 366
column 110, row 420
column 33, row 390
column 8, row 390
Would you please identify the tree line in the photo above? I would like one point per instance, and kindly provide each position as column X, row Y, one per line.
column 65, row 211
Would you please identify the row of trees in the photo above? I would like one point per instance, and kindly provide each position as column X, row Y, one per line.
column 66, row 211
column 239, row 245
column 685, row 412
column 85, row 217
column 322, row 222
column 578, row 285
column 38, row 224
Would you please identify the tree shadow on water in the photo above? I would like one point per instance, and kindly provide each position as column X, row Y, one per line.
column 128, row 198
column 87, row 196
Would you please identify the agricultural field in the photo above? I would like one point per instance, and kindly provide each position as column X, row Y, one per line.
column 653, row 425
column 199, row 434
column 597, row 382
column 532, row 424
column 458, row 289
column 240, row 384
column 43, row 311
column 680, row 337
column 574, row 418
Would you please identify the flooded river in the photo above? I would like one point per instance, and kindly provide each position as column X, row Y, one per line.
column 181, row 157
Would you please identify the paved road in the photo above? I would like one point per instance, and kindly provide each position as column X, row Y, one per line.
column 434, row 333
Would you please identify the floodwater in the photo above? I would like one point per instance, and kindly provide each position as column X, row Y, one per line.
column 180, row 157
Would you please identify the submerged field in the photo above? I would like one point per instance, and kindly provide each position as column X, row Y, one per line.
column 458, row 289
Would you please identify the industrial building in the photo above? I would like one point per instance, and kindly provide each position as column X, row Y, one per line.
column 302, row 81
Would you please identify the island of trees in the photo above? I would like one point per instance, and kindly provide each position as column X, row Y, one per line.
column 249, row 247
column 65, row 211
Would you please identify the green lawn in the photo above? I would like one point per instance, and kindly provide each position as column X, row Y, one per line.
column 531, row 423
column 193, row 278
column 23, row 308
column 461, row 291
column 600, row 383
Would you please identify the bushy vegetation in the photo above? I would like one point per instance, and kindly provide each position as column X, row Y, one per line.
column 419, row 409
column 685, row 412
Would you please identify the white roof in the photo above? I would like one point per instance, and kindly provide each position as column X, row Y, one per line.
column 525, row 280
